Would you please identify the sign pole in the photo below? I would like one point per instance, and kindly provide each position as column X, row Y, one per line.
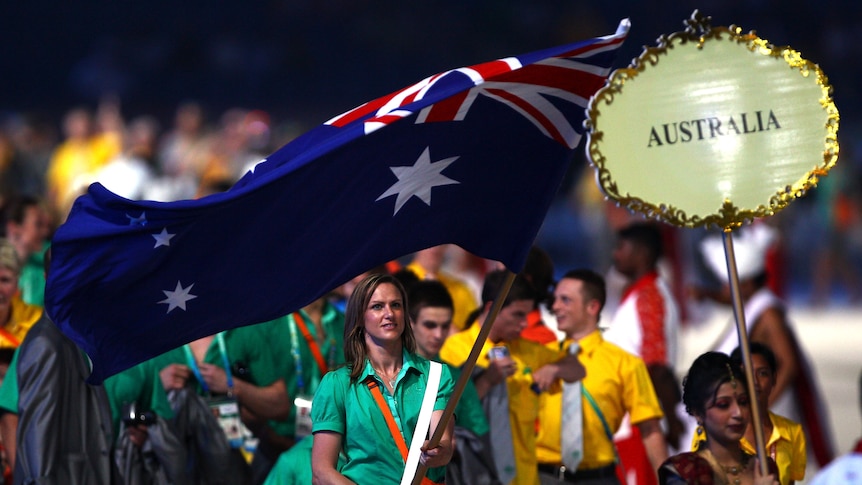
column 742, row 333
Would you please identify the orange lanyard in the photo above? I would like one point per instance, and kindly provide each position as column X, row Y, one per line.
column 374, row 387
column 11, row 338
column 312, row 343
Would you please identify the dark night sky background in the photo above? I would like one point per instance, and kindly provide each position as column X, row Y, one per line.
column 314, row 59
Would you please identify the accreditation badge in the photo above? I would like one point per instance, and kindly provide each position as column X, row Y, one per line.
column 303, row 416
column 226, row 412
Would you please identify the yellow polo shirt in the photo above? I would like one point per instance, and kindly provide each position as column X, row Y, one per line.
column 619, row 383
column 523, row 402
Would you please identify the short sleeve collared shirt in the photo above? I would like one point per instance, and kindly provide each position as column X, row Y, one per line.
column 786, row 445
column 349, row 409
column 619, row 383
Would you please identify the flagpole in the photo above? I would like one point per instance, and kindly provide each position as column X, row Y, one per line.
column 467, row 370
column 742, row 333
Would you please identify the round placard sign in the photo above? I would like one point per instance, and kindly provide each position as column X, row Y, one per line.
column 712, row 127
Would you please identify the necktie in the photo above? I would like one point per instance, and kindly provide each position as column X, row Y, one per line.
column 572, row 430
column 496, row 404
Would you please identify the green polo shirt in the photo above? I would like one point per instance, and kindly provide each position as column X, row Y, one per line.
column 349, row 409
column 285, row 335
column 246, row 347
column 9, row 388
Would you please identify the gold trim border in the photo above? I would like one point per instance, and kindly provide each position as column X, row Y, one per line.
column 728, row 216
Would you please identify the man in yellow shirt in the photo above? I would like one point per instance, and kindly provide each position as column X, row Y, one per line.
column 507, row 384
column 617, row 382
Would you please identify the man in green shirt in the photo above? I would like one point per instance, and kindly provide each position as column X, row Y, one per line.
column 431, row 310
column 63, row 425
column 310, row 343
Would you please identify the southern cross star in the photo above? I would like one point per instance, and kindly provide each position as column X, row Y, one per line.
column 163, row 238
column 140, row 220
column 418, row 180
column 178, row 297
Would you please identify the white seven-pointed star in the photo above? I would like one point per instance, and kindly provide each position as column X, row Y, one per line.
column 418, row 180
column 163, row 238
column 140, row 220
column 178, row 297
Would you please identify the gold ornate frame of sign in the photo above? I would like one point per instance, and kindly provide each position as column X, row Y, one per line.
column 712, row 127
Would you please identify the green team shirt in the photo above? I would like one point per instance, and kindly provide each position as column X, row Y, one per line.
column 286, row 337
column 349, row 409
column 246, row 347
column 9, row 388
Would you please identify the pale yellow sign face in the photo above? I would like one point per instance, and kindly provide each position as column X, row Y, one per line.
column 714, row 130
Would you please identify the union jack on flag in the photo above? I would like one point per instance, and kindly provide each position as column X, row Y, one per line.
column 524, row 83
column 472, row 156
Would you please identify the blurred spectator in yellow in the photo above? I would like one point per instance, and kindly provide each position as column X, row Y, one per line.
column 84, row 150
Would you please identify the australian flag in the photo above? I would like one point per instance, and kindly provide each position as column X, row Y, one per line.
column 471, row 156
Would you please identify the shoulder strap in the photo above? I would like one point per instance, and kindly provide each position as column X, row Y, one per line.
column 424, row 422
column 598, row 411
column 601, row 416
column 312, row 343
column 374, row 387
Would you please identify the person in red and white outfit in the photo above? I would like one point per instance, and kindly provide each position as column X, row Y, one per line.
column 646, row 324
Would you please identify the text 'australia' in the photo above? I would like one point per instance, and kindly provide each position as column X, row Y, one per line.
column 708, row 128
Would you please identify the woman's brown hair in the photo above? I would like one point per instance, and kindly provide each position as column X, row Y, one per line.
column 355, row 351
